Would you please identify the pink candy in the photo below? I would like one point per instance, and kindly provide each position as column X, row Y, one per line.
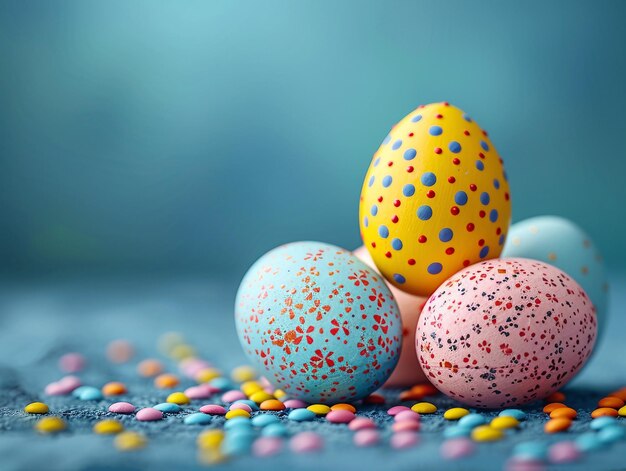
column 366, row 437
column 63, row 386
column 149, row 414
column 520, row 464
column 240, row 406
column 456, row 448
column 564, row 452
column 122, row 408
column 295, row 404
column 361, row 423
column 402, row 440
column 233, row 395
column 340, row 416
column 267, row 446
column 407, row 415
column 213, row 409
column 190, row 367
column 397, row 409
column 202, row 391
column 72, row 362
column 406, row 426
column 305, row 442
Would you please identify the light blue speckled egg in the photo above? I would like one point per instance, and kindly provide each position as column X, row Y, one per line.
column 562, row 243
column 318, row 322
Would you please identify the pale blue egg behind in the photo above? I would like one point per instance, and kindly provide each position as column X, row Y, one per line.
column 319, row 323
column 562, row 243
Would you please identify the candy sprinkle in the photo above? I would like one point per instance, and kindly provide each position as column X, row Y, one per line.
column 267, row 446
column 622, row 411
column 612, row 402
column 50, row 425
column 486, row 433
column 319, row 409
column 177, row 398
column 517, row 413
column 272, row 404
column 604, row 412
column 557, row 425
column 457, row 448
column 455, row 413
column 243, row 373
column 72, row 362
column 402, row 440
column 120, row 351
column 504, row 423
column 36, row 408
column 344, row 406
column 564, row 452
column 166, row 381
column 122, row 408
column 548, row 408
column 168, row 407
column 306, row 442
column 114, row 388
column 213, row 409
column 197, row 418
column 149, row 368
column 108, row 427
column 424, row 408
column 366, row 437
column 340, row 416
column 566, row 412
column 149, row 414
column 301, row 415
column 128, row 441
column 231, row 414
column 210, row 439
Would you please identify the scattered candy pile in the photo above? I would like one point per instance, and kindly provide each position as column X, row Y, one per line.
column 243, row 414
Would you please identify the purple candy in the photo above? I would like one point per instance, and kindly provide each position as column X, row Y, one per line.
column 456, row 448
column 122, row 408
column 149, row 414
column 564, row 452
column 402, row 440
column 361, row 423
column 295, row 404
column 213, row 409
column 233, row 395
column 407, row 415
column 305, row 442
column 366, row 437
column 397, row 409
column 340, row 416
column 267, row 446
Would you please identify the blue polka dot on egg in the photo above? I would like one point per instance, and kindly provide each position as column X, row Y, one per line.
column 371, row 182
column 445, row 234
column 493, row 215
column 435, row 268
column 484, row 252
column 435, row 130
column 396, row 244
column 416, row 118
column 410, row 154
column 408, row 190
column 454, row 147
column 374, row 210
column 396, row 145
column 460, row 198
column 480, row 165
column 387, row 181
column 484, row 145
column 383, row 232
column 424, row 212
column 428, row 179
column 399, row 278
column 484, row 198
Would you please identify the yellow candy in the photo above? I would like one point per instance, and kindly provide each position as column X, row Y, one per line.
column 622, row 411
column 211, row 456
column 237, row 413
column 207, row 374
column 250, row 387
column 128, row 441
column 279, row 393
column 455, row 413
column 210, row 439
column 36, row 408
column 261, row 396
column 108, row 427
column 182, row 351
column 486, row 433
column 243, row 373
column 433, row 177
column 504, row 422
column 424, row 408
column 169, row 340
column 177, row 398
column 319, row 409
column 50, row 425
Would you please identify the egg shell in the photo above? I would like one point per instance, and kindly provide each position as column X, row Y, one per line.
column 505, row 332
column 562, row 243
column 408, row 370
column 319, row 323
column 435, row 199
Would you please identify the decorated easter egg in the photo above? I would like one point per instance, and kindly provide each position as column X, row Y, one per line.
column 319, row 323
column 408, row 371
column 435, row 199
column 505, row 332
column 565, row 245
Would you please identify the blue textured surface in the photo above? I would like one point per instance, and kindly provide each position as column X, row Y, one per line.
column 41, row 321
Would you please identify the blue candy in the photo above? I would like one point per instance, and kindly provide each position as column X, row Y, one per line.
column 601, row 422
column 274, row 430
column 238, row 422
column 516, row 413
column 589, row 441
column 221, row 383
column 77, row 392
column 612, row 433
column 168, row 407
column 456, row 431
column 531, row 450
column 301, row 415
column 263, row 420
column 197, row 419
column 471, row 420
column 89, row 393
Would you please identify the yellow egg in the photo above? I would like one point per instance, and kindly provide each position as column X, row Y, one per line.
column 435, row 199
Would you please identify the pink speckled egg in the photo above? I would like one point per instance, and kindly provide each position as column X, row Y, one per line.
column 408, row 370
column 505, row 332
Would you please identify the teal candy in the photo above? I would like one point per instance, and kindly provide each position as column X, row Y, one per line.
column 515, row 413
column 601, row 422
column 471, row 420
column 456, row 431
column 89, row 393
column 238, row 422
column 78, row 391
column 612, row 433
column 168, row 407
column 301, row 415
column 274, row 430
column 198, row 419
column 531, row 450
column 263, row 420
column 589, row 441
column 221, row 383
column 563, row 244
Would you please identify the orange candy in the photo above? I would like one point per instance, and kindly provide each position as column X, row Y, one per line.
column 149, row 368
column 344, row 406
column 374, row 399
column 621, row 393
column 272, row 404
column 166, row 381
column 555, row 397
column 604, row 411
column 566, row 412
column 612, row 402
column 114, row 388
column 548, row 408
column 557, row 425
column 120, row 351
column 425, row 390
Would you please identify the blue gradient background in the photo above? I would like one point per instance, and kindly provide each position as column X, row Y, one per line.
column 194, row 136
